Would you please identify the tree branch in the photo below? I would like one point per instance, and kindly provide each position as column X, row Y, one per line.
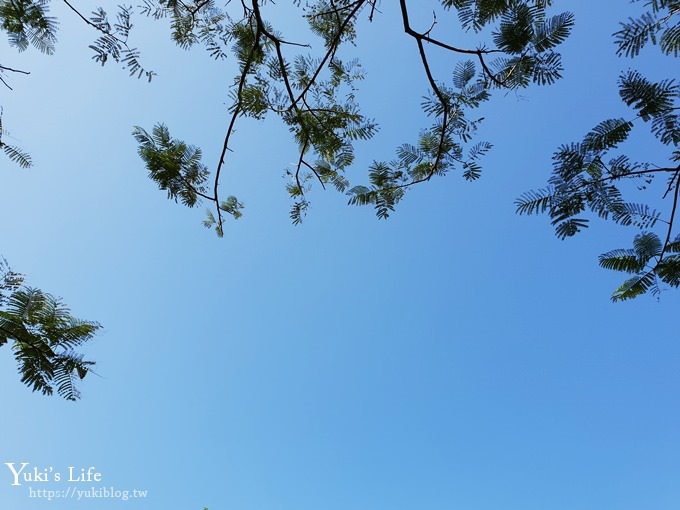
column 670, row 221
column 5, row 68
column 331, row 50
column 235, row 113
column 425, row 37
column 442, row 99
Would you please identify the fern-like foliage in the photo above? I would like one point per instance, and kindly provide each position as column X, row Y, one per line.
column 477, row 14
column 176, row 167
column 14, row 153
column 45, row 337
column 112, row 43
column 17, row 155
column 660, row 25
column 10, row 281
column 582, row 181
column 312, row 88
column 588, row 179
column 197, row 22
column 585, row 180
column 649, row 260
column 27, row 23
column 441, row 148
column 529, row 37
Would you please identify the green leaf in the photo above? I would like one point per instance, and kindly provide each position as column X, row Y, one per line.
column 621, row 260
column 175, row 166
column 635, row 34
column 635, row 287
column 570, row 227
column 607, row 134
column 669, row 270
column 516, row 29
column 232, row 206
column 650, row 99
column 534, row 201
column 463, row 73
column 44, row 335
column 553, row 32
column 23, row 159
column 646, row 246
column 670, row 40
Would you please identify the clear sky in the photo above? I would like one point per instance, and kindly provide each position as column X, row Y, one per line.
column 456, row 356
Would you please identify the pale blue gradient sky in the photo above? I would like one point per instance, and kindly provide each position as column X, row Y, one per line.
column 456, row 356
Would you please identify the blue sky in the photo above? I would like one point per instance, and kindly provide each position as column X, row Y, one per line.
column 456, row 356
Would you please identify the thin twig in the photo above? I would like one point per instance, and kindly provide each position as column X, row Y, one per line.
column 235, row 114
column 670, row 221
column 299, row 164
column 5, row 68
column 442, row 99
column 331, row 50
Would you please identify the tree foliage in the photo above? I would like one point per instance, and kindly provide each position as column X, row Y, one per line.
column 44, row 337
column 593, row 176
column 311, row 87
column 14, row 153
column 314, row 92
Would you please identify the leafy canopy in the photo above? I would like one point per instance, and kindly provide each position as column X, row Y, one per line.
column 314, row 94
column 593, row 176
column 44, row 337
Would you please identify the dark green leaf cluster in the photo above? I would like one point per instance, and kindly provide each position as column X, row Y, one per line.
column 230, row 206
column 476, row 14
column 655, row 102
column 27, row 22
column 446, row 145
column 9, row 281
column 529, row 37
column 44, row 337
column 177, row 168
column 660, row 25
column 17, row 155
column 584, row 178
column 649, row 261
column 172, row 164
column 325, row 126
column 14, row 153
column 195, row 22
column 314, row 94
column 112, row 44
column 587, row 179
column 526, row 35
column 326, row 20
